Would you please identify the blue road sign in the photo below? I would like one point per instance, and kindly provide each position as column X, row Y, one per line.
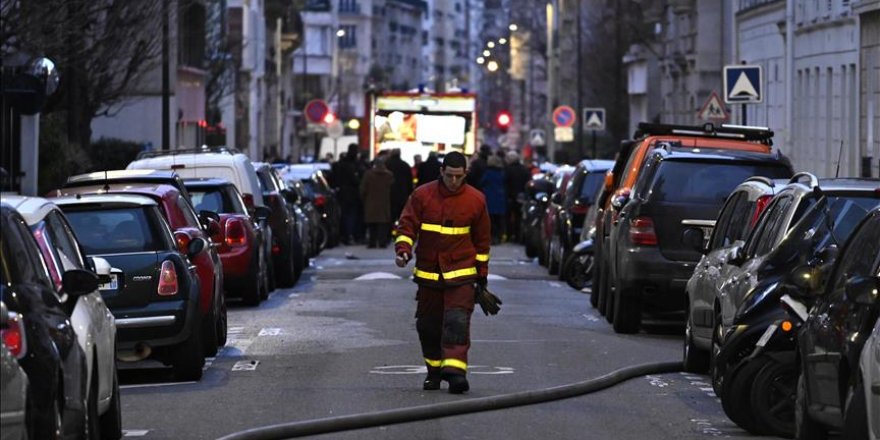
column 743, row 84
column 594, row 118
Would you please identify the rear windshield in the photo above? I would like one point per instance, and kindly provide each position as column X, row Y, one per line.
column 220, row 200
column 706, row 182
column 117, row 230
column 590, row 187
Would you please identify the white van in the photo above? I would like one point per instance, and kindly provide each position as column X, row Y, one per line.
column 234, row 167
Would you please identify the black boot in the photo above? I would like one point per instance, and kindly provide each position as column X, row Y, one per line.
column 457, row 383
column 432, row 382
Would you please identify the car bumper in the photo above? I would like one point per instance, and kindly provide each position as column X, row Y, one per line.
column 659, row 281
column 159, row 324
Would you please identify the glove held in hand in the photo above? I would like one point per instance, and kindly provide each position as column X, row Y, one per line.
column 490, row 303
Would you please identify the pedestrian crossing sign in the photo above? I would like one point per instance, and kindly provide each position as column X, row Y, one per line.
column 594, row 118
column 742, row 84
column 713, row 110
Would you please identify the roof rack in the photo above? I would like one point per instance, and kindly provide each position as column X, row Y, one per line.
column 762, row 179
column 743, row 132
column 197, row 150
column 814, row 182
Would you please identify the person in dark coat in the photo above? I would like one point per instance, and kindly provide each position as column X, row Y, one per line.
column 402, row 186
column 478, row 167
column 429, row 170
column 516, row 176
column 346, row 180
column 492, row 185
column 375, row 187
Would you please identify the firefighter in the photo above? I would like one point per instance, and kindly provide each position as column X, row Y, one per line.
column 448, row 220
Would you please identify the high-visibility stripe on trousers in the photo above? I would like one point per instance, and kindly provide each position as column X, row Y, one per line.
column 443, row 317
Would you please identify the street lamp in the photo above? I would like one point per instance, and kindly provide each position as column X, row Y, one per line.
column 492, row 65
column 340, row 33
column 481, row 60
column 486, row 53
column 513, row 27
column 502, row 40
column 490, row 44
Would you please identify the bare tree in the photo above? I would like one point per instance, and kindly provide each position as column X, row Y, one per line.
column 102, row 49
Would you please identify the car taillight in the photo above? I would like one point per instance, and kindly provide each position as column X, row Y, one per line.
column 272, row 199
column 276, row 248
column 182, row 239
column 760, row 204
column 641, row 231
column 579, row 208
column 14, row 336
column 248, row 201
column 320, row 200
column 235, row 233
column 167, row 279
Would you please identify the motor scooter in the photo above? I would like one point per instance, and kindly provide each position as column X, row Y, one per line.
column 577, row 270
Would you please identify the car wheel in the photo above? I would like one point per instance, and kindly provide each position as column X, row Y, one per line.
column 576, row 270
column 209, row 333
column 855, row 414
column 322, row 239
column 736, row 395
column 553, row 256
column 298, row 258
column 627, row 311
column 596, row 290
column 696, row 360
column 286, row 276
column 531, row 248
column 773, row 394
column 805, row 428
column 189, row 358
column 254, row 286
column 561, row 256
column 111, row 421
column 717, row 377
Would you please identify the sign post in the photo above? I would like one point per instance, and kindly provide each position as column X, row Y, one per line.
column 564, row 118
column 594, row 120
column 743, row 84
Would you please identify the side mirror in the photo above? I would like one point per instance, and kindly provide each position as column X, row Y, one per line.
column 693, row 239
column 556, row 198
column 205, row 215
column 619, row 201
column 863, row 290
column 196, row 246
column 213, row 228
column 4, row 315
column 827, row 254
column 78, row 282
column 261, row 213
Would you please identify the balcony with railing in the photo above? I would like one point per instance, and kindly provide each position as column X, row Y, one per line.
column 349, row 7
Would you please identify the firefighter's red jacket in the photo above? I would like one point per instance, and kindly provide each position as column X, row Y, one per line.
column 450, row 232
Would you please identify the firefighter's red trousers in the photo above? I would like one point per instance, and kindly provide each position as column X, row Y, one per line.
column 443, row 320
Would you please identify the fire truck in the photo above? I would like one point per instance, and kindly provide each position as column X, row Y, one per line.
column 421, row 122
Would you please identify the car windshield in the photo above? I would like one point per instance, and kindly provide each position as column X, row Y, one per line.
column 216, row 200
column 706, row 182
column 115, row 230
column 590, row 187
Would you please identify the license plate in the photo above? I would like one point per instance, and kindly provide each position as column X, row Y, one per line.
column 112, row 285
column 766, row 336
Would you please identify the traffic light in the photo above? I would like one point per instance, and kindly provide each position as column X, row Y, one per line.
column 503, row 120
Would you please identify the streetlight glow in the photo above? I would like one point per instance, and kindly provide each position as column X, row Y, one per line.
column 513, row 27
column 492, row 66
column 486, row 53
column 502, row 40
column 340, row 33
column 481, row 60
column 490, row 44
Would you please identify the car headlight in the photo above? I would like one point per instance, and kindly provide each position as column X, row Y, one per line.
column 755, row 298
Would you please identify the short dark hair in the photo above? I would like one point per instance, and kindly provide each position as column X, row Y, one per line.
column 454, row 160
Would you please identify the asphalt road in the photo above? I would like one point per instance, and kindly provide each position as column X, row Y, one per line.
column 343, row 342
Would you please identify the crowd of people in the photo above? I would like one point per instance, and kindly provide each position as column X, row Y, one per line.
column 372, row 194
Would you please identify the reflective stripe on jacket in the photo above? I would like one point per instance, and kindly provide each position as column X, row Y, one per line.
column 450, row 232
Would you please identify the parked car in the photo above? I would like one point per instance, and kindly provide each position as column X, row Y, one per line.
column 219, row 162
column 870, row 367
column 288, row 254
column 295, row 193
column 54, row 362
column 550, row 222
column 321, row 195
column 157, row 305
column 13, row 380
column 679, row 189
column 92, row 321
column 830, row 390
column 537, row 197
column 737, row 218
column 119, row 178
column 176, row 206
column 754, row 271
column 587, row 177
column 244, row 266
column 628, row 168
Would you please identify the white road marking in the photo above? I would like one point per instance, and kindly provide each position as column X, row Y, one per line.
column 270, row 332
column 150, row 385
column 245, row 366
column 421, row 369
column 293, row 295
column 492, row 276
column 234, row 330
column 555, row 284
column 590, row 318
column 705, row 427
column 377, row 276
column 134, row 432
column 657, row 381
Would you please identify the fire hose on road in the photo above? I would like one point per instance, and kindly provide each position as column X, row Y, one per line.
column 435, row 411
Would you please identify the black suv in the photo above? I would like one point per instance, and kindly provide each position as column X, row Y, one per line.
column 679, row 190
column 288, row 256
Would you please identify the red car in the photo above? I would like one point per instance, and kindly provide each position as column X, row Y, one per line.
column 239, row 237
column 182, row 219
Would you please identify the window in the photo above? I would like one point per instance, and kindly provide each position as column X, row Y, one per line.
column 120, row 230
column 724, row 231
column 28, row 264
column 349, row 40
